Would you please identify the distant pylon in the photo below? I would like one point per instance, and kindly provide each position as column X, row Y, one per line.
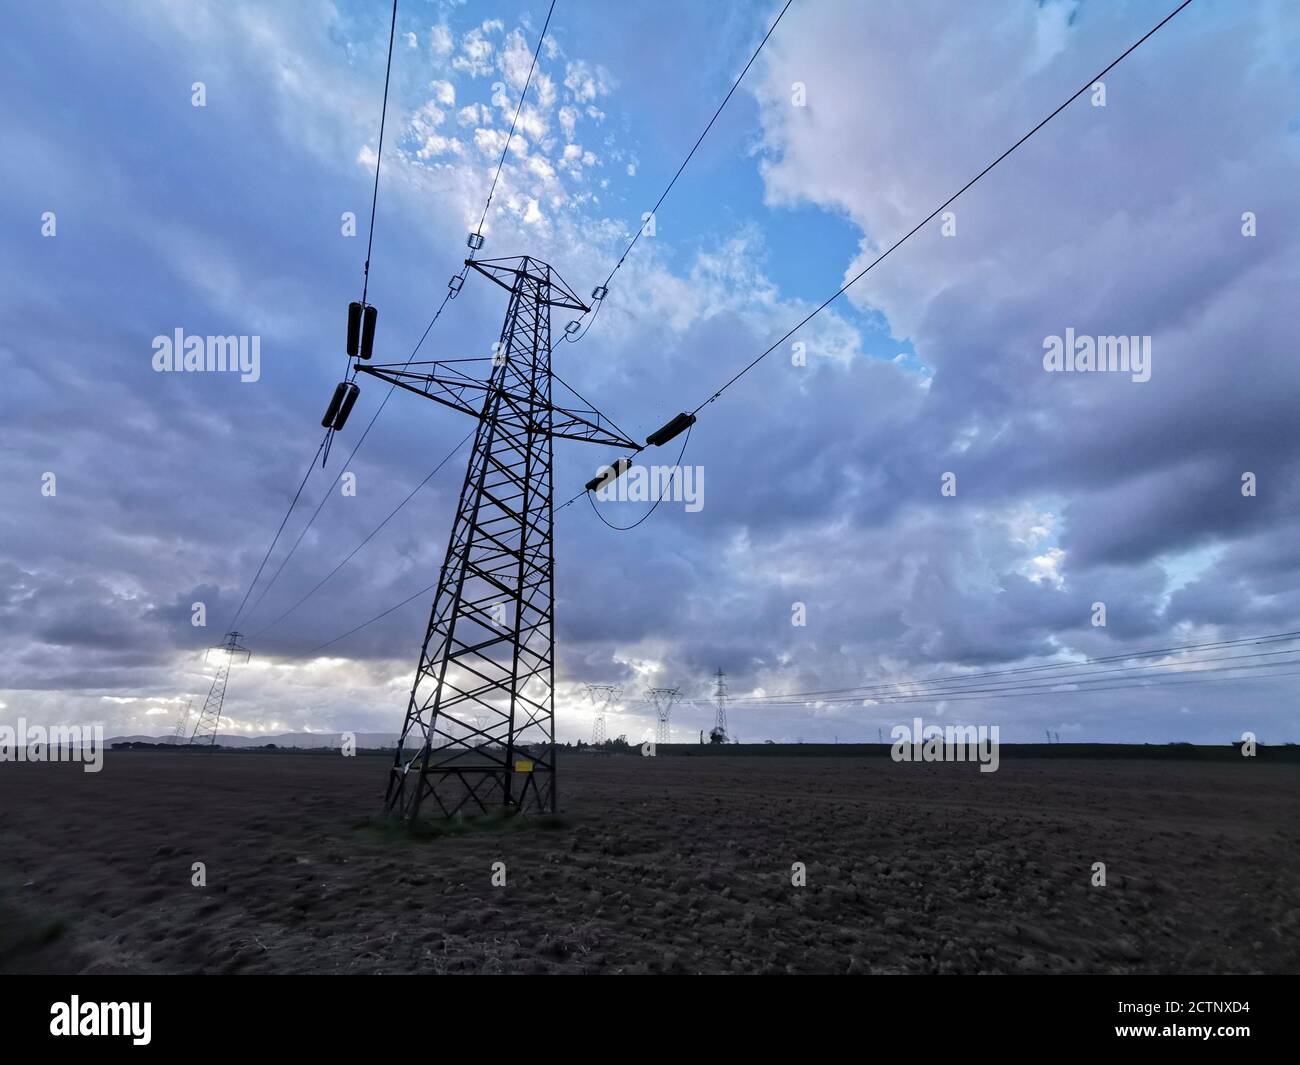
column 601, row 695
column 179, row 734
column 720, row 698
column 663, row 699
column 205, row 731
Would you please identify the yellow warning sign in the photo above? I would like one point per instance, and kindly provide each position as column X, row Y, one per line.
column 522, row 765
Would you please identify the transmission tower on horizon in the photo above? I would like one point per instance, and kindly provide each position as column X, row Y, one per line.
column 205, row 729
column 489, row 648
column 663, row 699
column 179, row 734
column 602, row 697
column 720, row 700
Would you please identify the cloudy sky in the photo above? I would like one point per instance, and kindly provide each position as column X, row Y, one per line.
column 822, row 474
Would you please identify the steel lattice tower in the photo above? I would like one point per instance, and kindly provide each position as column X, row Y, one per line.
column 720, row 698
column 602, row 696
column 489, row 649
column 205, row 729
column 663, row 699
column 179, row 734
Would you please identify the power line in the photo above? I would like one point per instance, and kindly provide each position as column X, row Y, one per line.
column 364, row 624
column 757, row 702
column 1006, row 689
column 1017, row 694
column 518, row 107
column 925, row 221
column 930, row 217
column 271, row 547
column 379, row 155
column 452, row 289
column 357, row 447
column 385, row 613
column 348, row 558
column 374, row 201
column 1051, row 682
column 663, row 195
column 662, row 495
column 1087, row 86
column 866, row 689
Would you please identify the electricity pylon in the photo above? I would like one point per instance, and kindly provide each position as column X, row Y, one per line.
column 205, row 730
column 489, row 648
column 720, row 718
column 663, row 698
column 179, row 734
column 602, row 696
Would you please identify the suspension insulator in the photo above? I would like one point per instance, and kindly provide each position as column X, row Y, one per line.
column 354, row 327
column 608, row 474
column 674, row 428
column 475, row 241
column 599, row 292
column 368, row 331
column 349, row 401
column 331, row 412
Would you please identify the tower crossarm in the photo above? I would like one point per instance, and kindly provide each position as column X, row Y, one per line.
column 553, row 292
column 448, row 383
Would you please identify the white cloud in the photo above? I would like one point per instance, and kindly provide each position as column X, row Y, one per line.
column 489, row 142
column 444, row 93
column 540, row 168
column 425, row 127
column 475, row 56
column 1046, row 567
column 586, row 82
column 516, row 60
column 568, row 121
column 440, row 40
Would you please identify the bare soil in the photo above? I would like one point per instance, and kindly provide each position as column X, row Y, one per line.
column 655, row 865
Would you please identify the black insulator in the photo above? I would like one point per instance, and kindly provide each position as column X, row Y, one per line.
column 368, row 332
column 678, row 425
column 354, row 326
column 349, row 401
column 609, row 473
column 332, row 410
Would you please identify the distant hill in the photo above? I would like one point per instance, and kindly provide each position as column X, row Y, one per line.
column 306, row 740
